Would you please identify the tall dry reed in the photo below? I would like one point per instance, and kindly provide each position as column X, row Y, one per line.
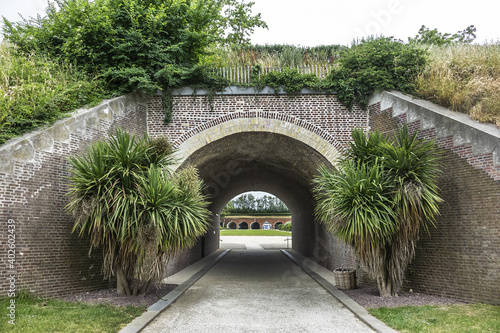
column 465, row 78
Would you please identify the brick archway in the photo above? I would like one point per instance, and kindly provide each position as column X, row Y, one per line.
column 255, row 225
column 271, row 142
column 258, row 121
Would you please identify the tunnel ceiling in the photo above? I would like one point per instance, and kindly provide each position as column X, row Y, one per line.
column 257, row 161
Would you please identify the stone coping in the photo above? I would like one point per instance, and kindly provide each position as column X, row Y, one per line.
column 25, row 147
column 484, row 138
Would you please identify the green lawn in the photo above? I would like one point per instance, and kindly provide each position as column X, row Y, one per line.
column 43, row 315
column 253, row 232
column 467, row 318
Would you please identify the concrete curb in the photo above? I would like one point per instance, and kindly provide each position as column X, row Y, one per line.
column 154, row 310
column 312, row 269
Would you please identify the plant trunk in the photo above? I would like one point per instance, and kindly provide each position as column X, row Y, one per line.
column 385, row 286
column 122, row 287
column 141, row 290
column 145, row 288
column 136, row 290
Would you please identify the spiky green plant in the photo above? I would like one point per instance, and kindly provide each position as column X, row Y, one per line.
column 124, row 197
column 379, row 199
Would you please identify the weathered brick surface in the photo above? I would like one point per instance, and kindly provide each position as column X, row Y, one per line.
column 50, row 260
column 321, row 114
column 305, row 118
column 460, row 258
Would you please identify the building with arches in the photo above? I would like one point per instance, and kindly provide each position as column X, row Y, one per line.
column 254, row 222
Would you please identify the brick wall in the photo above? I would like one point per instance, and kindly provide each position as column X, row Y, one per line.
column 460, row 258
column 318, row 113
column 50, row 260
column 236, row 220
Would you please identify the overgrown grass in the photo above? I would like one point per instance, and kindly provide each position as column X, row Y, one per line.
column 275, row 56
column 250, row 232
column 465, row 78
column 35, row 90
column 454, row 318
column 46, row 315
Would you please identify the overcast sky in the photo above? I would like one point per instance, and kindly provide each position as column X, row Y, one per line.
column 323, row 22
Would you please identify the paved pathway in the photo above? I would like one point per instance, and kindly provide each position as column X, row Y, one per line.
column 256, row 290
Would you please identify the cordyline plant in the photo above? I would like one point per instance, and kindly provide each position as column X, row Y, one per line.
column 378, row 200
column 124, row 197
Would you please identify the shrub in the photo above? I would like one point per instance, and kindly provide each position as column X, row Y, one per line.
column 135, row 45
column 286, row 227
column 124, row 197
column 375, row 64
column 379, row 199
column 35, row 91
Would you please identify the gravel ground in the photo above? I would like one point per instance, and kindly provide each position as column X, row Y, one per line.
column 368, row 297
column 109, row 296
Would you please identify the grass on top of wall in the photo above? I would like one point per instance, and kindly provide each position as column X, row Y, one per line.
column 35, row 90
column 462, row 77
column 465, row 78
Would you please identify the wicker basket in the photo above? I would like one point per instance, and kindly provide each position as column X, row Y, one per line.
column 345, row 278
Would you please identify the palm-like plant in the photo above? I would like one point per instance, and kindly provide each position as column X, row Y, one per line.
column 123, row 195
column 378, row 200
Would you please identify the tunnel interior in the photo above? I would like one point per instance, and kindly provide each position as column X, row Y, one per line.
column 260, row 161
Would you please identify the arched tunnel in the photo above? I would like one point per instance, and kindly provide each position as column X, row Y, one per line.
column 261, row 161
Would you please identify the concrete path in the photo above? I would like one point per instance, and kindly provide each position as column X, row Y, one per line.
column 256, row 290
column 255, row 242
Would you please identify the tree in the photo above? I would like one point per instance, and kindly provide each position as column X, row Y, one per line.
column 247, row 203
column 227, row 209
column 136, row 45
column 123, row 196
column 379, row 199
column 434, row 37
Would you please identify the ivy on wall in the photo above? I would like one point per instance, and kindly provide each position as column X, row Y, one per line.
column 374, row 64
